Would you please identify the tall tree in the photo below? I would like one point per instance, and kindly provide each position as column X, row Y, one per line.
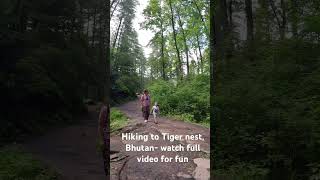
column 162, row 42
column 220, row 25
column 94, row 26
column 201, row 17
column 179, row 66
column 200, row 53
column 117, row 33
column 157, row 23
column 186, row 49
column 249, row 17
column 212, row 62
column 127, row 58
column 293, row 16
column 282, row 20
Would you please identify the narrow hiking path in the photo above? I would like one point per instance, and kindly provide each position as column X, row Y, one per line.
column 72, row 150
column 124, row 165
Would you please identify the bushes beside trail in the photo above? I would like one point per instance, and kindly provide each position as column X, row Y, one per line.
column 118, row 119
column 189, row 100
column 44, row 88
column 268, row 112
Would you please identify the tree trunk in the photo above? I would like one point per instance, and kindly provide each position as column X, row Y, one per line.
column 113, row 52
column 162, row 45
column 115, row 6
column 88, row 21
column 117, row 33
column 202, row 18
column 117, row 48
column 200, row 54
column 230, row 12
column 81, row 20
column 284, row 19
column 229, row 25
column 250, row 33
column 101, row 46
column 248, row 9
column 264, row 22
column 20, row 25
column 220, row 28
column 214, row 11
column 179, row 69
column 274, row 10
column 94, row 26
column 186, row 49
column 162, row 53
column 197, row 63
column 106, row 99
column 107, row 50
column 294, row 17
column 104, row 133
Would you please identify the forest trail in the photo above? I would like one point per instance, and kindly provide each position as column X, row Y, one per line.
column 72, row 150
column 124, row 165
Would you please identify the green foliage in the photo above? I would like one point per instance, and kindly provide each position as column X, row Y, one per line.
column 125, row 86
column 267, row 110
column 191, row 40
column 127, row 57
column 16, row 164
column 117, row 120
column 44, row 88
column 312, row 24
column 179, row 58
column 189, row 100
column 46, row 66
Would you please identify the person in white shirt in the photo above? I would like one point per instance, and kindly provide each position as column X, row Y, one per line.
column 155, row 111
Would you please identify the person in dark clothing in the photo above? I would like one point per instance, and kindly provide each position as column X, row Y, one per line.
column 145, row 104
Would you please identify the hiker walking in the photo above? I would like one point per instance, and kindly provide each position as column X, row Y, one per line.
column 155, row 111
column 145, row 104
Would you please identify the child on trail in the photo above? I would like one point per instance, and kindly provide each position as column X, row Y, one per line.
column 155, row 111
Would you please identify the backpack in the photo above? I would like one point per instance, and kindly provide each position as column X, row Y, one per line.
column 156, row 110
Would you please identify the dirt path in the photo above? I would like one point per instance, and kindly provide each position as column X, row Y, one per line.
column 72, row 150
column 124, row 164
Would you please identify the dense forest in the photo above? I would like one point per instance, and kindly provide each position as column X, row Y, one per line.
column 177, row 70
column 263, row 67
column 53, row 57
column 265, row 89
column 178, row 66
column 127, row 57
column 56, row 56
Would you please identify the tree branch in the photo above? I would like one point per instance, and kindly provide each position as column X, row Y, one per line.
column 271, row 2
